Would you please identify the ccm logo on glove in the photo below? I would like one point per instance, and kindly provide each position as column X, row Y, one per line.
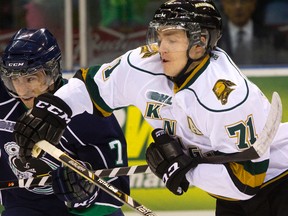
column 53, row 109
column 173, row 168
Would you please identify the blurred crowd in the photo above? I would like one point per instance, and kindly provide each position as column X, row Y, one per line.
column 254, row 31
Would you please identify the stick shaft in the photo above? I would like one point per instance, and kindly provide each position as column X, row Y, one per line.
column 90, row 176
column 47, row 179
column 123, row 171
column 26, row 183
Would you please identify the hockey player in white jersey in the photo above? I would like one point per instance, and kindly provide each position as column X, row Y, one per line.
column 187, row 86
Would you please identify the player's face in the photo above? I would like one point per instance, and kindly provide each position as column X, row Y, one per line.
column 30, row 86
column 173, row 45
column 173, row 48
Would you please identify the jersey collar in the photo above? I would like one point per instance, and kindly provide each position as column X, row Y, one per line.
column 194, row 74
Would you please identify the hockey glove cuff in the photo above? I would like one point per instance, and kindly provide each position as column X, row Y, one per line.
column 167, row 160
column 72, row 188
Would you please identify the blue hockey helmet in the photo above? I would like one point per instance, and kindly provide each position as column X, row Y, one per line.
column 28, row 51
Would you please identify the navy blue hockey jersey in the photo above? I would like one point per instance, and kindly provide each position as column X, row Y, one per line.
column 90, row 138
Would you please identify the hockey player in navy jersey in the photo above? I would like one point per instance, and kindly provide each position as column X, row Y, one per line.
column 187, row 86
column 30, row 66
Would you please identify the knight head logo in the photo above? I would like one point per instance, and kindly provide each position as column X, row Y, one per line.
column 222, row 89
column 148, row 51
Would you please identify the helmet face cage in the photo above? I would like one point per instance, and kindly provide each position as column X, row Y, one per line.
column 51, row 71
column 28, row 52
column 193, row 32
column 197, row 17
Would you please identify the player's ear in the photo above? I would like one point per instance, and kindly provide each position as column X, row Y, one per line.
column 203, row 39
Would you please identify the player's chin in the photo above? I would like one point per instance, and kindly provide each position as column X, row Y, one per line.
column 168, row 70
column 28, row 102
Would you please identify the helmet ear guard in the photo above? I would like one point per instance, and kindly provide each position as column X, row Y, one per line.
column 194, row 34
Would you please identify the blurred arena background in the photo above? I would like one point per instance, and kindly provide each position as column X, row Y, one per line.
column 96, row 31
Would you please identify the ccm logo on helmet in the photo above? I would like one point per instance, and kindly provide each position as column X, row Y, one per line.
column 53, row 109
column 16, row 64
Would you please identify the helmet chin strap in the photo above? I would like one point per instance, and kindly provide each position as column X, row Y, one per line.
column 181, row 77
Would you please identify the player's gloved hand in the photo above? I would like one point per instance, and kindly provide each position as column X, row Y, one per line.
column 46, row 121
column 72, row 188
column 167, row 160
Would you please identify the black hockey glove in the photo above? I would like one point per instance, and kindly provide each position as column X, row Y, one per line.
column 46, row 121
column 72, row 188
column 167, row 160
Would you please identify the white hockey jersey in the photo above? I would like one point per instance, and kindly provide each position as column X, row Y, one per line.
column 216, row 109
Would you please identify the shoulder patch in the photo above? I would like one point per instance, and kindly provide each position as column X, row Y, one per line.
column 222, row 89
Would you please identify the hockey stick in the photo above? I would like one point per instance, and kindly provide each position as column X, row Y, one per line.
column 47, row 179
column 90, row 176
column 257, row 150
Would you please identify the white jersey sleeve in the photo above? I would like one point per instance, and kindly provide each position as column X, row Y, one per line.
column 76, row 96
